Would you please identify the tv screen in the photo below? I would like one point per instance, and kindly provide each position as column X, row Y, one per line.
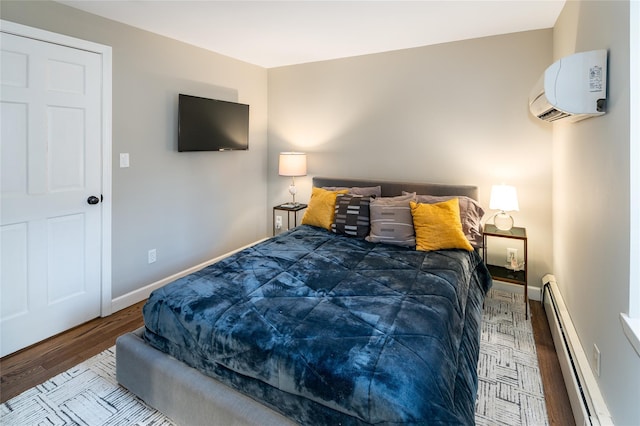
column 212, row 125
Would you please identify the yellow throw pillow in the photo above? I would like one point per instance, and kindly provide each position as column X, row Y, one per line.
column 321, row 208
column 438, row 226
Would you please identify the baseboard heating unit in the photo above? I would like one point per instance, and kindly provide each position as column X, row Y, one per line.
column 587, row 403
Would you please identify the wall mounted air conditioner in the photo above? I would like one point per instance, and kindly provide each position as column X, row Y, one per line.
column 572, row 89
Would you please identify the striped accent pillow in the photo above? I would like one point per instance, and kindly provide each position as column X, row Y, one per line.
column 351, row 215
column 391, row 221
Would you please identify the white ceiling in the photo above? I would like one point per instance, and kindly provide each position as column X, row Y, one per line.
column 277, row 33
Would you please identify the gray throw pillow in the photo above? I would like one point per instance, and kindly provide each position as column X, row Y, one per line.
column 367, row 191
column 391, row 221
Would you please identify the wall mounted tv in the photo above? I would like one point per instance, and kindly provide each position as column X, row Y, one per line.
column 212, row 125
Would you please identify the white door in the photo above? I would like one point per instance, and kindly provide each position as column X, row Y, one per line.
column 51, row 165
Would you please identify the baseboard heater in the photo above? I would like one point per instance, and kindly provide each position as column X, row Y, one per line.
column 587, row 404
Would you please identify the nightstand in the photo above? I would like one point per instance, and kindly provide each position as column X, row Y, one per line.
column 503, row 272
column 289, row 208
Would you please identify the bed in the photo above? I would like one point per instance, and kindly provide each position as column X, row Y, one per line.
column 315, row 326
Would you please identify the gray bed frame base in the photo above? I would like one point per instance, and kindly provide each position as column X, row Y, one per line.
column 182, row 393
column 189, row 397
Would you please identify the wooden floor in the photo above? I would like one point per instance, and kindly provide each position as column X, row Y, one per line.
column 36, row 364
column 555, row 392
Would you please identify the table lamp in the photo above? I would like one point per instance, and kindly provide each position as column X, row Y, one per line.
column 292, row 164
column 505, row 199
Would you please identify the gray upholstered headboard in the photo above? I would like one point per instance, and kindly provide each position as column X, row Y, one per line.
column 390, row 188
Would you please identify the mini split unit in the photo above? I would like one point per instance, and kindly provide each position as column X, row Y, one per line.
column 572, row 89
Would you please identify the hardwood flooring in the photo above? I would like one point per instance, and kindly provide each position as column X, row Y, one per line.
column 38, row 363
column 555, row 392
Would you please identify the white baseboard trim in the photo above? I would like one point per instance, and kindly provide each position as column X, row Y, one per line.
column 534, row 293
column 143, row 293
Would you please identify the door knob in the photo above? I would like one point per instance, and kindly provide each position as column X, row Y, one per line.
column 93, row 200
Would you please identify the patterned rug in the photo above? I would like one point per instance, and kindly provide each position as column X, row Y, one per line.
column 509, row 384
column 509, row 389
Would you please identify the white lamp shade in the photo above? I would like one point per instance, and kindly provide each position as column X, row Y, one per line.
column 504, row 198
column 292, row 164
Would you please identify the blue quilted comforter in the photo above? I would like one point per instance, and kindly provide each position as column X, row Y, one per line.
column 328, row 329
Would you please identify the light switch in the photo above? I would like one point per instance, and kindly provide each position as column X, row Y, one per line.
column 124, row 159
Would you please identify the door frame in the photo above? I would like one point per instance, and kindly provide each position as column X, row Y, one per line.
column 106, row 121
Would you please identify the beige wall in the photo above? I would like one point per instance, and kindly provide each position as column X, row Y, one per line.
column 190, row 207
column 449, row 113
column 591, row 205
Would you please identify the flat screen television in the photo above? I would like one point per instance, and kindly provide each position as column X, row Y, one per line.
column 212, row 125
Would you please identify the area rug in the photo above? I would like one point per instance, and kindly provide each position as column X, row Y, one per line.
column 509, row 389
column 509, row 384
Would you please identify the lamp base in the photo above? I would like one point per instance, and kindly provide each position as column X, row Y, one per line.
column 503, row 221
column 293, row 190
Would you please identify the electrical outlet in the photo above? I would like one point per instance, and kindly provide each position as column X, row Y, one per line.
column 152, row 255
column 512, row 253
column 278, row 222
column 596, row 359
